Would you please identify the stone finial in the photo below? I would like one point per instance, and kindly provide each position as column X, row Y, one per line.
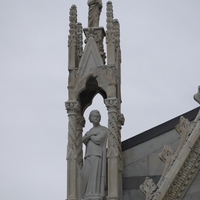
column 72, row 23
column 148, row 188
column 79, row 41
column 72, row 38
column 109, row 15
column 197, row 96
column 110, row 36
column 116, row 29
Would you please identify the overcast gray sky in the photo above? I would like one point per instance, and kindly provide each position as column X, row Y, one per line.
column 160, row 43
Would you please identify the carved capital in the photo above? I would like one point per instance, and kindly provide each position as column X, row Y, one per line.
column 148, row 188
column 111, row 104
column 79, row 41
column 72, row 106
column 197, row 96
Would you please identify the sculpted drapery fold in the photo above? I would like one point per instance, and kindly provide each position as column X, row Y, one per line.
column 90, row 75
column 94, row 168
column 95, row 7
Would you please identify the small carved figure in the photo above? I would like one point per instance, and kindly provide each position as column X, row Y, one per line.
column 94, row 167
column 95, row 7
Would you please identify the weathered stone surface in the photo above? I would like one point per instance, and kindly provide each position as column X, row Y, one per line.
column 93, row 71
column 94, row 168
column 95, row 8
column 143, row 159
column 193, row 192
column 133, row 195
column 88, row 76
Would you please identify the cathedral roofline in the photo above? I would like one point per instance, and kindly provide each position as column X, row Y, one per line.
column 157, row 130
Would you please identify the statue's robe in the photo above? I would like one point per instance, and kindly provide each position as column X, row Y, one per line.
column 94, row 12
column 94, row 168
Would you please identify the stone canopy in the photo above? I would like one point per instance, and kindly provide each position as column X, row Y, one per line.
column 168, row 163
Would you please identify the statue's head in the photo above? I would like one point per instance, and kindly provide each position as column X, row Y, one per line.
column 94, row 113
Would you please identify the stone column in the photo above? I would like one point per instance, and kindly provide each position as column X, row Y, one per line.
column 113, row 154
column 120, row 123
column 72, row 108
column 80, row 122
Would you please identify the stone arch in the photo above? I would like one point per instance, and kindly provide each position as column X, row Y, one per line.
column 86, row 96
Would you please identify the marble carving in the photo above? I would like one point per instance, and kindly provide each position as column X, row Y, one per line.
column 95, row 7
column 94, row 168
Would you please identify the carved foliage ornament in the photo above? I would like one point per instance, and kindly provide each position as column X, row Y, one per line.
column 72, row 106
column 148, row 188
column 79, row 40
column 72, row 25
column 109, row 14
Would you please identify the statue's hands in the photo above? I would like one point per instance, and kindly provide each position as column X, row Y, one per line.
column 95, row 139
column 90, row 133
column 93, row 135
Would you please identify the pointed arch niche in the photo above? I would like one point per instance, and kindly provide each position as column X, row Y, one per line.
column 97, row 104
column 92, row 84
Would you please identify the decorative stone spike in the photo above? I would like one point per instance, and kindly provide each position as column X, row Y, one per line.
column 109, row 15
column 110, row 37
column 116, row 30
column 72, row 57
column 197, row 96
column 79, row 41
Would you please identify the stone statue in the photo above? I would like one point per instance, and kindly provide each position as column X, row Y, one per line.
column 94, row 167
column 95, row 7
